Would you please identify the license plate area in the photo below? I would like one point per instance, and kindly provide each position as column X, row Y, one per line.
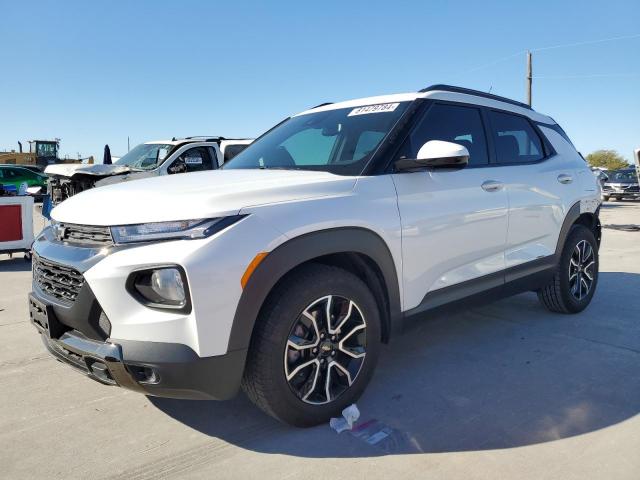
column 44, row 319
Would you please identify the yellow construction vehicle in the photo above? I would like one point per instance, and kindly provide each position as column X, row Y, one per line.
column 41, row 153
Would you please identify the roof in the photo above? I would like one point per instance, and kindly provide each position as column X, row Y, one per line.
column 442, row 92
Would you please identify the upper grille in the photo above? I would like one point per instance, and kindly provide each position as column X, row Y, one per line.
column 633, row 189
column 56, row 280
column 85, row 234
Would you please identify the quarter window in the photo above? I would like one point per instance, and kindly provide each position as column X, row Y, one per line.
column 515, row 139
column 450, row 123
column 232, row 150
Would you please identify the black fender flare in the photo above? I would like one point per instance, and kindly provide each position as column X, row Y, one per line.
column 299, row 250
column 570, row 219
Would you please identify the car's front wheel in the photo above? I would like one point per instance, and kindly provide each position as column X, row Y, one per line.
column 314, row 347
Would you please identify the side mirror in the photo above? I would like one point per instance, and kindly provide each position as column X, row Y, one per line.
column 436, row 154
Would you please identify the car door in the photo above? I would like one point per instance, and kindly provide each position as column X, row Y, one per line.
column 13, row 177
column 454, row 222
column 541, row 184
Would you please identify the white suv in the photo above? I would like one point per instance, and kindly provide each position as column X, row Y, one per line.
column 285, row 271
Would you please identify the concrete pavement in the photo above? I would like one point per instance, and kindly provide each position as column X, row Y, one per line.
column 507, row 390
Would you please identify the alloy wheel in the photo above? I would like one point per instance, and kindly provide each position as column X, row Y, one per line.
column 581, row 270
column 325, row 350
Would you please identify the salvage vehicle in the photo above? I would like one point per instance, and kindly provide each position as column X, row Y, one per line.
column 164, row 157
column 621, row 184
column 284, row 271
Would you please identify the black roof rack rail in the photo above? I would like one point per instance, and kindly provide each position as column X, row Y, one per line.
column 204, row 138
column 209, row 138
column 321, row 105
column 477, row 93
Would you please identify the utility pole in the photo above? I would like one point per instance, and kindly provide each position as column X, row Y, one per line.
column 127, row 144
column 529, row 77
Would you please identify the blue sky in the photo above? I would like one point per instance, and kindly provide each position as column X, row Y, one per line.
column 92, row 73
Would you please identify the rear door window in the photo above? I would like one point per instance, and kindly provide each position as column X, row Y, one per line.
column 515, row 139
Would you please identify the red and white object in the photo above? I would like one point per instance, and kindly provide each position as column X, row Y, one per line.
column 16, row 224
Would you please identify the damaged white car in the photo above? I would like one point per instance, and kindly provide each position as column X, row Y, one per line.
column 164, row 157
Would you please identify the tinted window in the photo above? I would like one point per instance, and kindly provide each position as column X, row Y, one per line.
column 197, row 159
column 515, row 139
column 232, row 150
column 461, row 125
column 192, row 160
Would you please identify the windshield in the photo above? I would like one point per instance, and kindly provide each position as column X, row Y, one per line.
column 338, row 141
column 622, row 176
column 145, row 156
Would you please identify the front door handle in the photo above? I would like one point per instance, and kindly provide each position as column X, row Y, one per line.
column 564, row 178
column 492, row 186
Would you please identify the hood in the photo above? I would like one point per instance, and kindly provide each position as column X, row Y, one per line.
column 196, row 195
column 73, row 169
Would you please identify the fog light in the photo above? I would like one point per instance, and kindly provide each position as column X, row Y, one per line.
column 167, row 283
column 162, row 287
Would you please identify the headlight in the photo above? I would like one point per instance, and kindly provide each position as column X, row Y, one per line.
column 180, row 229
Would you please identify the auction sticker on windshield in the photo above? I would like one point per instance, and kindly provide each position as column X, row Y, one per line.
column 382, row 107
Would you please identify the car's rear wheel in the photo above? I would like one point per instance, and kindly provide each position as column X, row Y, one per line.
column 314, row 347
column 605, row 198
column 576, row 275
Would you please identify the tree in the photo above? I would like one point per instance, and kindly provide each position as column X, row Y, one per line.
column 609, row 159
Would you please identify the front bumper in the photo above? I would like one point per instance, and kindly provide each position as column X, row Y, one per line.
column 153, row 368
column 617, row 193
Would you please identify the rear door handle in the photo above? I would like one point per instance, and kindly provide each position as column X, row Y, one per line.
column 564, row 178
column 492, row 186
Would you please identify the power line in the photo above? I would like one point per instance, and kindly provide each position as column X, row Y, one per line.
column 499, row 60
column 588, row 42
column 564, row 45
column 592, row 75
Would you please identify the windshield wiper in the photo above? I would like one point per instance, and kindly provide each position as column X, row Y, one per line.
column 263, row 167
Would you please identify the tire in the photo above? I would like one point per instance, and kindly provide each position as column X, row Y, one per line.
column 561, row 295
column 270, row 379
column 605, row 198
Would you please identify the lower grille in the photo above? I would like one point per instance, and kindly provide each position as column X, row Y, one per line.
column 63, row 283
